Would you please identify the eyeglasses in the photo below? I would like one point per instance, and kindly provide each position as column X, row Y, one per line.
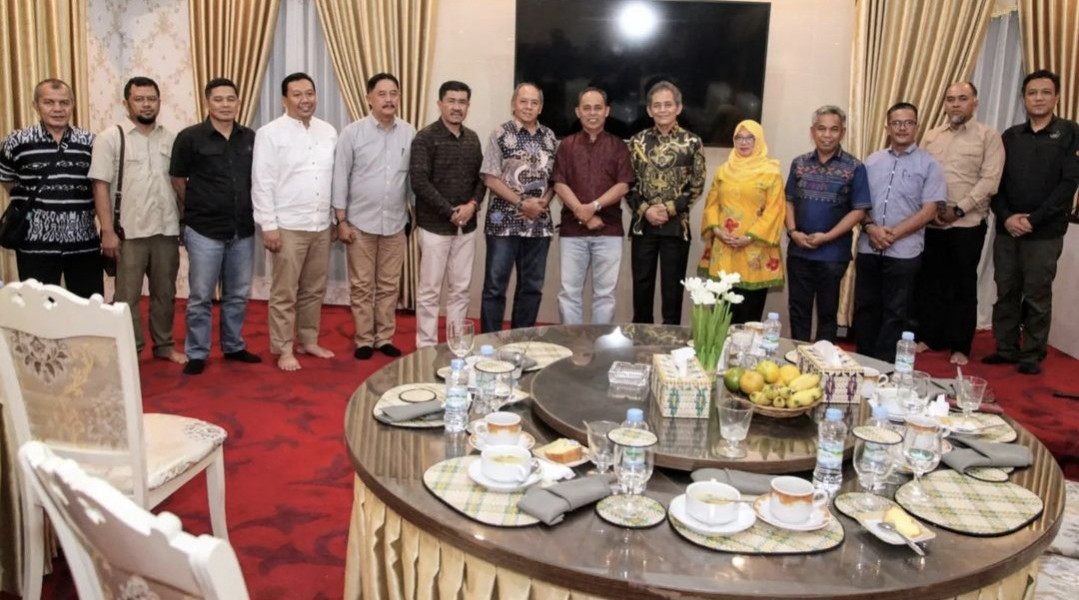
column 744, row 139
column 902, row 124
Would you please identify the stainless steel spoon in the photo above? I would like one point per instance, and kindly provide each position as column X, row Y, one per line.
column 892, row 528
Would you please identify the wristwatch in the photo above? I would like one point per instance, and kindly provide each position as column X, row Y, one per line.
column 959, row 212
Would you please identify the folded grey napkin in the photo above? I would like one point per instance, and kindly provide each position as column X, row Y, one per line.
column 743, row 481
column 986, row 454
column 408, row 412
column 550, row 504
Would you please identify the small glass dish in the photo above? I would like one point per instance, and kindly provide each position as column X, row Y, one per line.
column 629, row 380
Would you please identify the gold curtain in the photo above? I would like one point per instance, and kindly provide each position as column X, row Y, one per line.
column 365, row 37
column 1049, row 30
column 907, row 50
column 232, row 40
column 39, row 39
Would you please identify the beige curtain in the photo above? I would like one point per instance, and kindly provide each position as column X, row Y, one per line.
column 39, row 39
column 232, row 40
column 366, row 37
column 1049, row 31
column 906, row 50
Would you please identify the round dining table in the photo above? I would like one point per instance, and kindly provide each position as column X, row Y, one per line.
column 405, row 543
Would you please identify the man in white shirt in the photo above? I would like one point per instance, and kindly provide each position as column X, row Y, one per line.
column 370, row 198
column 291, row 182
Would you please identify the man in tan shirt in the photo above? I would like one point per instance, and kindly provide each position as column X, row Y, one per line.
column 946, row 295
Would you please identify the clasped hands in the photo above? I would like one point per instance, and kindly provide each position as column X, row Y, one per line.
column 657, row 215
column 588, row 215
column 1018, row 224
column 734, row 241
column 880, row 237
column 462, row 214
column 809, row 241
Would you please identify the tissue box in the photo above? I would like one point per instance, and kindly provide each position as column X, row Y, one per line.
column 840, row 383
column 677, row 396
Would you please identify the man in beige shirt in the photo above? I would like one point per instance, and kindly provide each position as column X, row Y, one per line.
column 946, row 295
column 149, row 215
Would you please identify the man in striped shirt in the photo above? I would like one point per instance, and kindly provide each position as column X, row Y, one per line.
column 47, row 164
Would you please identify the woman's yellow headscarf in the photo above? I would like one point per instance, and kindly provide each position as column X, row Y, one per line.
column 738, row 167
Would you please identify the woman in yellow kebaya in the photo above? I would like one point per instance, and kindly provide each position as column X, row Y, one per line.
column 743, row 220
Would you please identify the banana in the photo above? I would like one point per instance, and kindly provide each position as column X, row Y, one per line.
column 758, row 398
column 805, row 397
column 804, row 382
column 779, row 402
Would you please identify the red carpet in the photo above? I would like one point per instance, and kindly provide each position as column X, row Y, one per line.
column 290, row 482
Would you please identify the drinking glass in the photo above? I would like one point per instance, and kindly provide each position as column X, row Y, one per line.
column 459, row 336
column 633, row 468
column 735, row 415
column 922, row 449
column 873, row 463
column 497, row 382
column 739, row 340
column 920, row 385
column 969, row 392
column 599, row 445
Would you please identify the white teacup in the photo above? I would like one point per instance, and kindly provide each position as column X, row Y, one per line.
column 794, row 499
column 871, row 378
column 712, row 502
column 888, row 397
column 506, row 464
column 500, row 428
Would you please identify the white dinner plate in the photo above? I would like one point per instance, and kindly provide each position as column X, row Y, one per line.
column 475, row 473
column 888, row 537
column 745, row 519
column 817, row 519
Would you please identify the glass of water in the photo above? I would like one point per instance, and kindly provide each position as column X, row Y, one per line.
column 599, row 445
column 969, row 393
column 873, row 463
column 735, row 415
column 495, row 378
column 460, row 336
column 922, row 447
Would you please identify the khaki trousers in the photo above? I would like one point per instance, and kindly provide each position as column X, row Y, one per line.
column 374, row 277
column 442, row 258
column 158, row 259
column 297, row 288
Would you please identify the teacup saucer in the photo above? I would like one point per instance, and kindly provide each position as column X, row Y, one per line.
column 475, row 473
column 743, row 521
column 817, row 519
column 524, row 440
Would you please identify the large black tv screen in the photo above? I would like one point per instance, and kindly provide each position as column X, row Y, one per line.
column 713, row 51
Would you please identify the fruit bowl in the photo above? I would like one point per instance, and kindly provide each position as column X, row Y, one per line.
column 785, row 413
column 800, row 389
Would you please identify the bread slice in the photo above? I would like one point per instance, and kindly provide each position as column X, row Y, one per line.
column 902, row 521
column 563, row 451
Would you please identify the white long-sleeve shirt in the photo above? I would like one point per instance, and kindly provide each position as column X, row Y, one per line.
column 292, row 174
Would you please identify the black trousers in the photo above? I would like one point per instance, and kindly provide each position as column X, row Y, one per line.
column 82, row 273
column 809, row 280
column 883, row 290
column 672, row 255
column 946, row 297
column 1024, row 270
column 751, row 308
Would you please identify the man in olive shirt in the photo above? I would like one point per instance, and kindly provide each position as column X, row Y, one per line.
column 1041, row 173
column 445, row 176
column 972, row 156
column 211, row 172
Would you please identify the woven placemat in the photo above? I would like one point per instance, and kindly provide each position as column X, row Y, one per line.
column 966, row 505
column 763, row 538
column 391, row 398
column 848, row 503
column 544, row 353
column 450, row 483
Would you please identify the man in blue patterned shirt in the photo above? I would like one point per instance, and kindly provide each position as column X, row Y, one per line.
column 827, row 196
column 517, row 167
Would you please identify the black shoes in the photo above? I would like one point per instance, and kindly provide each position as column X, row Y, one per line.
column 389, row 350
column 997, row 358
column 1029, row 367
column 243, row 356
column 194, row 366
column 363, row 353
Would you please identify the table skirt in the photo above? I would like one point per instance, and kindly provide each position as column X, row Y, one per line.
column 391, row 559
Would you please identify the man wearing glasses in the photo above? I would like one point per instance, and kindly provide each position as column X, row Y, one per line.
column 905, row 184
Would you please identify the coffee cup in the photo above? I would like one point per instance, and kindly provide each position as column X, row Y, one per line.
column 506, row 464
column 712, row 502
column 888, row 397
column 794, row 499
column 871, row 378
column 500, row 428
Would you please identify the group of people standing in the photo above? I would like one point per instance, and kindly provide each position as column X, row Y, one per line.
column 921, row 211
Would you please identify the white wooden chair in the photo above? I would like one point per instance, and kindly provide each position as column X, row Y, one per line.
column 117, row 549
column 69, row 375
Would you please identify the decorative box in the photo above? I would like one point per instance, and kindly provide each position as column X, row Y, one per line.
column 688, row 396
column 840, row 383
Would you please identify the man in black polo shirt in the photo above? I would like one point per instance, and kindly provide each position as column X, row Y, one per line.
column 47, row 163
column 1041, row 173
column 211, row 171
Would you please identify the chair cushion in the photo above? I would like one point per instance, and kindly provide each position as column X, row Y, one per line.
column 1067, row 541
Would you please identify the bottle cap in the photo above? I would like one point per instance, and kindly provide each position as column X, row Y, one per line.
column 908, row 335
column 487, row 350
column 773, row 316
column 635, row 415
column 880, row 412
column 833, row 414
column 457, row 364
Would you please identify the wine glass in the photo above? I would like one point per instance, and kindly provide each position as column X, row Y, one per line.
column 599, row 445
column 460, row 336
column 735, row 415
column 873, row 463
column 922, row 449
column 633, row 467
column 969, row 392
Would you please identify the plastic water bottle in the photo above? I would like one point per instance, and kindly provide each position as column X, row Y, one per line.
column 831, row 433
column 904, row 354
column 634, row 470
column 879, row 417
column 770, row 341
column 457, row 398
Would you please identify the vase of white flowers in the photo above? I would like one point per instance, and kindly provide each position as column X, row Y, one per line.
column 712, row 300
